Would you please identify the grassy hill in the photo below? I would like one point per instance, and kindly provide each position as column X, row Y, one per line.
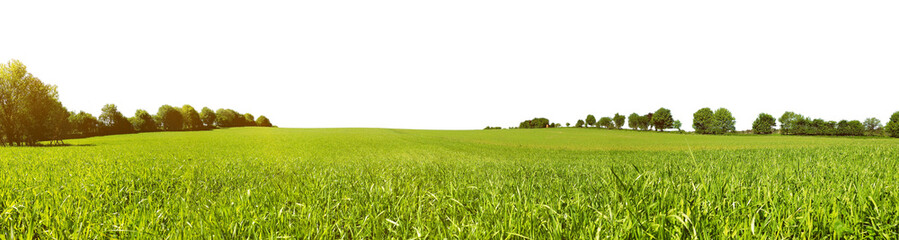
column 386, row 183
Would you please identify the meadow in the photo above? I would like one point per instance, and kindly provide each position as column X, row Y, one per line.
column 270, row 183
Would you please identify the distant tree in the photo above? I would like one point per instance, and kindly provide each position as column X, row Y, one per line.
column 619, row 121
column 535, row 123
column 249, row 119
column 591, row 120
column 113, row 122
column 704, row 121
column 790, row 123
column 580, row 123
column 855, row 128
column 228, row 118
column 764, row 124
column 678, row 124
column 892, row 128
column 633, row 121
column 29, row 109
column 872, row 126
column 647, row 121
column 84, row 124
column 662, row 119
column 606, row 122
column 191, row 118
column 171, row 118
column 143, row 121
column 263, row 121
column 568, row 124
column 208, row 117
column 724, row 121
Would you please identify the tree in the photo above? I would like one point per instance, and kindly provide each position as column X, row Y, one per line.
column 113, row 122
column 568, row 124
column 535, row 123
column 892, row 128
column 606, row 122
column 855, row 128
column 633, row 121
column 764, row 124
column 263, row 121
column 724, row 121
column 703, row 121
column 143, row 121
column 580, row 123
column 662, row 119
column 678, row 124
column 249, row 119
column 171, row 118
column 647, row 121
column 591, row 120
column 30, row 110
column 619, row 120
column 228, row 118
column 208, row 117
column 84, row 124
column 191, row 118
column 872, row 126
column 790, row 123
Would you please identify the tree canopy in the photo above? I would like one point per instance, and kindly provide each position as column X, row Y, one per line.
column 619, row 121
column 892, row 128
column 764, row 124
column 30, row 110
column 591, row 120
column 113, row 122
column 662, row 119
column 171, row 118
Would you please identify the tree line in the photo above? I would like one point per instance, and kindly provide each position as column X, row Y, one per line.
column 30, row 112
column 722, row 121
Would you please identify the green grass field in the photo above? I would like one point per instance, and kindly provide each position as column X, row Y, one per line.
column 262, row 183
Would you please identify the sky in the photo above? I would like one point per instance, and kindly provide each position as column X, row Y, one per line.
column 463, row 64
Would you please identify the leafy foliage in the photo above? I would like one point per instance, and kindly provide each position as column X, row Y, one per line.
column 191, row 118
column 662, row 119
column 892, row 128
column 113, row 122
column 619, row 120
column 208, row 117
column 263, row 121
column 143, row 121
column 606, row 122
column 704, row 121
column 591, row 120
column 535, row 123
column 764, row 124
column 30, row 110
column 171, row 118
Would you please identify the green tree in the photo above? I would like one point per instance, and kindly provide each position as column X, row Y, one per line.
column 724, row 121
column 606, row 122
column 208, row 117
column 764, row 124
column 580, row 123
column 703, row 121
column 619, row 121
column 591, row 120
column 678, row 124
column 662, row 119
column 84, row 124
column 191, row 118
column 113, row 122
column 633, row 121
column 873, row 126
column 568, row 124
column 171, row 118
column 249, row 120
column 30, row 110
column 892, row 128
column 228, row 118
column 855, row 128
column 143, row 121
column 263, row 121
column 790, row 123
column 535, row 123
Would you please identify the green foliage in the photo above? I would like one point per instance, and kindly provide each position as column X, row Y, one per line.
column 619, row 120
column 764, row 124
column 704, row 121
column 662, row 119
column 580, row 123
column 171, row 118
column 535, row 123
column 208, row 117
column 892, row 128
column 796, row 124
column 30, row 110
column 492, row 128
column 873, row 126
column 677, row 125
column 84, row 124
column 724, row 121
column 263, row 121
column 143, row 121
column 191, row 118
column 606, row 122
column 792, row 123
column 591, row 120
column 633, row 121
column 249, row 120
column 113, row 122
column 228, row 118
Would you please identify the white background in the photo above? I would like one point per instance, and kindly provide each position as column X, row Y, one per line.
column 464, row 64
